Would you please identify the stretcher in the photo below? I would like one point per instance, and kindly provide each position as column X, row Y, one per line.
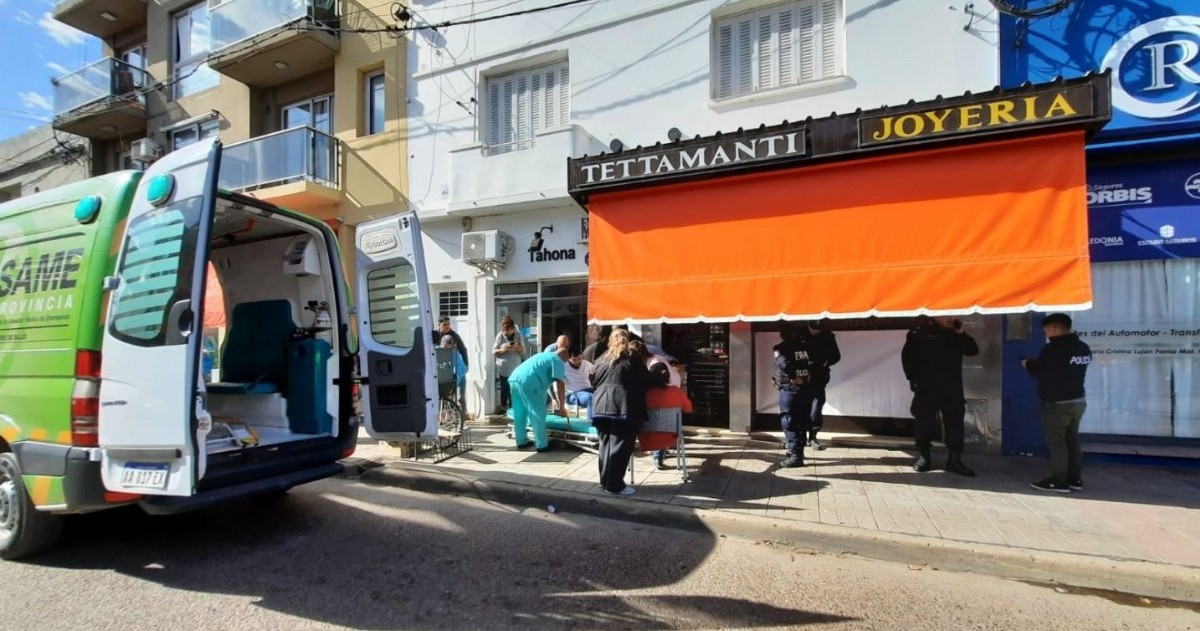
column 663, row 431
column 574, row 431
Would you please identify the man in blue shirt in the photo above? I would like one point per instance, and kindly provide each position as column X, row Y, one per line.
column 529, row 383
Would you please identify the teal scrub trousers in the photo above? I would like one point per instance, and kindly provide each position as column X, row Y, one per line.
column 529, row 410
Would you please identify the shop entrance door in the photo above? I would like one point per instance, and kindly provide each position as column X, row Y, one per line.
column 564, row 312
column 519, row 301
column 704, row 349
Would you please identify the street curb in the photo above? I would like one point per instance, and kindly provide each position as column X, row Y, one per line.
column 1141, row 578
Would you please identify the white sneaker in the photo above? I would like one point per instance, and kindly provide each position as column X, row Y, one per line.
column 628, row 490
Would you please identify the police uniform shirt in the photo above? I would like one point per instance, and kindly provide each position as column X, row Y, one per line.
column 792, row 361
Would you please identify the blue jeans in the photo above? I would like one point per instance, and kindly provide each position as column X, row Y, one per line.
column 795, row 415
column 582, row 398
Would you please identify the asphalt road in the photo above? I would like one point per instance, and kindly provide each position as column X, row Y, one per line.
column 343, row 553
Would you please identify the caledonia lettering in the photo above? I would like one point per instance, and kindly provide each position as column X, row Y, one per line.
column 1029, row 109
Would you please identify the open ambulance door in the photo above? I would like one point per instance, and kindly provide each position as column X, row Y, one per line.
column 152, row 422
column 396, row 354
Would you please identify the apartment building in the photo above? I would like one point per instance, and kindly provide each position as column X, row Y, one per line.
column 497, row 107
column 310, row 113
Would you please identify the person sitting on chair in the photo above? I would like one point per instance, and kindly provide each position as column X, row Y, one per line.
column 664, row 403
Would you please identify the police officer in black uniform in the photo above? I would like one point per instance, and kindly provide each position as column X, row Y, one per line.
column 1061, row 370
column 824, row 352
column 932, row 357
column 793, row 377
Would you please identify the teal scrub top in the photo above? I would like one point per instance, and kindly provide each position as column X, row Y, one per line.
column 541, row 370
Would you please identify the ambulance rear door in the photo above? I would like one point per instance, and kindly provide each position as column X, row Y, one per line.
column 396, row 353
column 152, row 423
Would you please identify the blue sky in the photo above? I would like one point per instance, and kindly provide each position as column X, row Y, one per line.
column 33, row 49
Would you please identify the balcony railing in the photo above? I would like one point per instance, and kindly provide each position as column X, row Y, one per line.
column 108, row 78
column 234, row 21
column 284, row 157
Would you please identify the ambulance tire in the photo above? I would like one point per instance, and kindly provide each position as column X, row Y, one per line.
column 24, row 530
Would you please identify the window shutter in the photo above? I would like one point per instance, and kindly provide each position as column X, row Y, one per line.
column 744, row 54
column 550, row 97
column 724, row 87
column 494, row 116
column 564, row 94
column 523, row 103
column 787, row 47
column 829, row 31
column 765, row 53
column 538, row 119
column 521, row 113
column 507, row 120
column 808, row 56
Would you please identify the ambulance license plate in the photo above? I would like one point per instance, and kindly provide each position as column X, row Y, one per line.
column 146, row 475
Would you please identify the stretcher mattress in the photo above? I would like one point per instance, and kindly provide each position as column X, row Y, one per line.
column 558, row 423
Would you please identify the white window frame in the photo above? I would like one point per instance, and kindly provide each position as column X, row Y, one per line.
column 203, row 129
column 455, row 303
column 813, row 34
column 196, row 61
column 369, row 102
column 328, row 98
column 524, row 103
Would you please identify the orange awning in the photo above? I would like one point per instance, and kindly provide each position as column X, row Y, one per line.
column 999, row 227
column 214, row 300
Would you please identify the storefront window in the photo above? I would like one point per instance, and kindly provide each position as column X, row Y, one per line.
column 1144, row 337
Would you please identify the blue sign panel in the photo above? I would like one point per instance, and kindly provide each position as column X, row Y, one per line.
column 1144, row 211
column 1152, row 49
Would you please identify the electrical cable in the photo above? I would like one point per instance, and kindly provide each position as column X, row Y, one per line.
column 441, row 25
column 1050, row 7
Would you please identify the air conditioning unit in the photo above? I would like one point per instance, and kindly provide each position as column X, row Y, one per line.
column 487, row 246
column 145, row 150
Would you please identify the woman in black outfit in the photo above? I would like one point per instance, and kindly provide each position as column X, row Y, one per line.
column 619, row 407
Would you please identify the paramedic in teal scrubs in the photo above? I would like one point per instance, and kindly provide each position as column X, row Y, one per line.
column 529, row 384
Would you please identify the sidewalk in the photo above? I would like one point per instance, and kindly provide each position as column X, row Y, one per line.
column 1126, row 513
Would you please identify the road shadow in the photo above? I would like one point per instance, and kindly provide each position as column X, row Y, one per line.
column 373, row 557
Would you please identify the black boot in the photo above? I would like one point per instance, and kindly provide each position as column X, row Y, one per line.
column 794, row 459
column 954, row 464
column 924, row 460
column 814, row 443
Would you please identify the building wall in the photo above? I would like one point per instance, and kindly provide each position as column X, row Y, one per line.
column 636, row 71
column 639, row 69
column 1143, row 169
column 35, row 161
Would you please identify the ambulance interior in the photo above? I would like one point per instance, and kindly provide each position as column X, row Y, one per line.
column 272, row 380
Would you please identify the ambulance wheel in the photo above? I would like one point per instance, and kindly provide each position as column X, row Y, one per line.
column 24, row 530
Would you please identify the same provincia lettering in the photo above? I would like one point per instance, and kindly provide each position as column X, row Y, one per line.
column 48, row 272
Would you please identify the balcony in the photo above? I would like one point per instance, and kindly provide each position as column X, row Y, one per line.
column 265, row 43
column 296, row 168
column 103, row 101
column 102, row 18
column 528, row 174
